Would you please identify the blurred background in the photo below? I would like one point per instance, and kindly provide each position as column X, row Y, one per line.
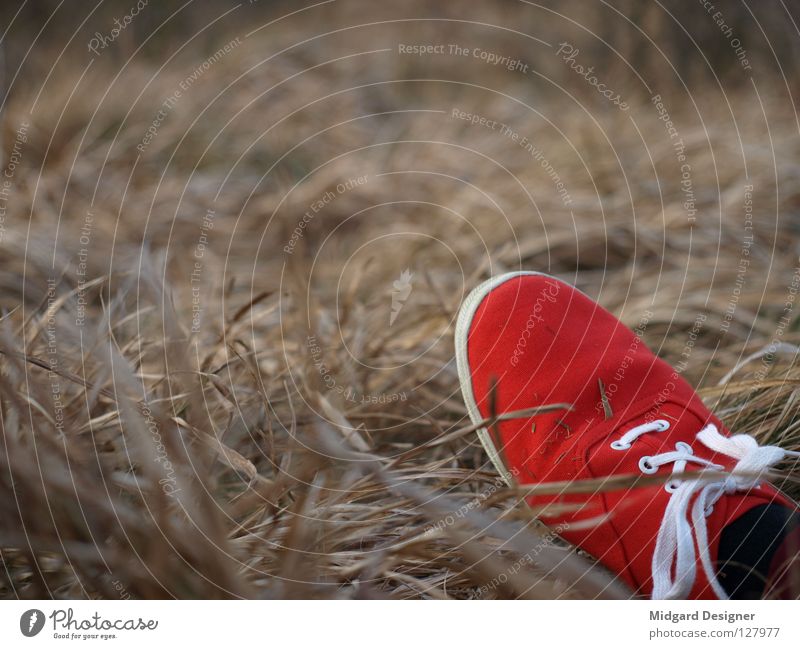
column 234, row 238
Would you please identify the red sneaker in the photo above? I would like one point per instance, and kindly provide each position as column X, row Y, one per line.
column 540, row 341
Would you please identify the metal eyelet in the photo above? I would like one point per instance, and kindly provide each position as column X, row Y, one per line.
column 617, row 445
column 663, row 424
column 672, row 486
column 645, row 466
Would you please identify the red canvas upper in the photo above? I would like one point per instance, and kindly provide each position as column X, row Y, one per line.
column 543, row 341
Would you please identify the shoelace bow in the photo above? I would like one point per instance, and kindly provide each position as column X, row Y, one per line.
column 675, row 547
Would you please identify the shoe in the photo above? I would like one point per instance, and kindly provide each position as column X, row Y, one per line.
column 527, row 339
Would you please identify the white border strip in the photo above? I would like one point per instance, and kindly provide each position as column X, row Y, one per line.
column 463, row 324
column 314, row 623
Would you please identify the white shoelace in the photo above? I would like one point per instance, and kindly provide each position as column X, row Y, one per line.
column 675, row 547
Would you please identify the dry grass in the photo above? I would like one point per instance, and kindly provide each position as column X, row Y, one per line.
column 295, row 443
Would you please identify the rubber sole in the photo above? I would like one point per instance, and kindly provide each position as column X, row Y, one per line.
column 463, row 324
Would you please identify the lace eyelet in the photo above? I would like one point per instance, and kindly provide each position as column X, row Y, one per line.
column 672, row 486
column 617, row 445
column 663, row 424
column 645, row 466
